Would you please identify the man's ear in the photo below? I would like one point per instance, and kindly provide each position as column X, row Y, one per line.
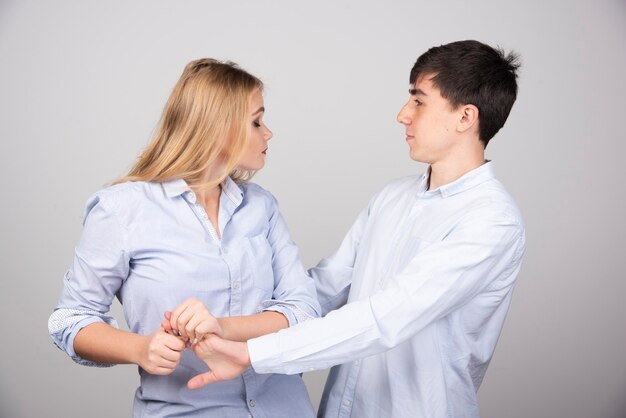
column 468, row 118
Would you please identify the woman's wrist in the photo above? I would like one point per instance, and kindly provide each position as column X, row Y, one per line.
column 138, row 346
column 225, row 324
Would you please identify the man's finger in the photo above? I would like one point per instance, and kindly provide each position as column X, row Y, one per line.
column 202, row 380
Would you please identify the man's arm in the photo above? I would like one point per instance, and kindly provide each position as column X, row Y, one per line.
column 482, row 254
column 333, row 275
column 442, row 278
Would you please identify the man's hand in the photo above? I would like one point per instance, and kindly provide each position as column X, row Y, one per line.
column 191, row 320
column 226, row 360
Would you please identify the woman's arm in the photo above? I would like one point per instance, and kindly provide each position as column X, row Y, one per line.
column 158, row 353
column 191, row 320
column 80, row 324
column 294, row 293
column 243, row 328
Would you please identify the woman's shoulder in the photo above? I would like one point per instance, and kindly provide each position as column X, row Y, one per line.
column 253, row 189
column 125, row 195
column 255, row 194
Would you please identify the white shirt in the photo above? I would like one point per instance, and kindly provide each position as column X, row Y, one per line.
column 417, row 294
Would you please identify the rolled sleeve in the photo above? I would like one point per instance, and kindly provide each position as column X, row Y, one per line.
column 294, row 291
column 64, row 324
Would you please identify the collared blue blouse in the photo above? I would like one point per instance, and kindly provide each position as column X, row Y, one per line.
column 152, row 246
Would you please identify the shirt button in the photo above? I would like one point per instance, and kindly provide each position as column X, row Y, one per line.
column 236, row 285
column 225, row 250
column 356, row 362
column 346, row 402
column 251, row 403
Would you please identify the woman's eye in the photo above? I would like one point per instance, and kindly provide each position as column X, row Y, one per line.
column 256, row 124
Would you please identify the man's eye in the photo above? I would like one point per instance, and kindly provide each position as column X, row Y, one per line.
column 417, row 102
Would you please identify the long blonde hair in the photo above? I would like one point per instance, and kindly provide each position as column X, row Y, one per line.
column 205, row 121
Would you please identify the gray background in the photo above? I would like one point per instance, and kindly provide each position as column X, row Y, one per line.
column 82, row 84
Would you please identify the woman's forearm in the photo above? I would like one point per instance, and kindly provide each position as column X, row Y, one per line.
column 158, row 353
column 103, row 343
column 243, row 328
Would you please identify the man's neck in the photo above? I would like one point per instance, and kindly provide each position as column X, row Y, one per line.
column 445, row 172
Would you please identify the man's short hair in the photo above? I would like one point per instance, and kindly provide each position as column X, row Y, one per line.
column 470, row 72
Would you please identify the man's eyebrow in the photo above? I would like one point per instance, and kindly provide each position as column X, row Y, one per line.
column 416, row 92
column 259, row 110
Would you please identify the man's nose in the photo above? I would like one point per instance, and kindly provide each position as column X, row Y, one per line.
column 403, row 116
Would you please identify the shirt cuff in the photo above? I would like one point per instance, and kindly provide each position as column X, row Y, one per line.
column 264, row 354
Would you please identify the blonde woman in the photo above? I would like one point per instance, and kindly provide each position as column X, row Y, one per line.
column 186, row 232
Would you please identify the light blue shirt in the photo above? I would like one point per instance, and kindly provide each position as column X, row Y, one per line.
column 152, row 246
column 421, row 285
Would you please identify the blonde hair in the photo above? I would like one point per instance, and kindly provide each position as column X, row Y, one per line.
column 205, row 121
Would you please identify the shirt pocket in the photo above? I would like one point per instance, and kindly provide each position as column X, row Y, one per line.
column 260, row 254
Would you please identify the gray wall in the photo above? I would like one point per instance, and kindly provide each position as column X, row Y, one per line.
column 82, row 84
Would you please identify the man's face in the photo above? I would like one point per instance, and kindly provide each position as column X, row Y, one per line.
column 430, row 122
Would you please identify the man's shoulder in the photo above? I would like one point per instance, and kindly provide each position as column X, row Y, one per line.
column 401, row 185
column 494, row 198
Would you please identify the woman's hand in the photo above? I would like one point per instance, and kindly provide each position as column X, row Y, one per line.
column 160, row 352
column 192, row 321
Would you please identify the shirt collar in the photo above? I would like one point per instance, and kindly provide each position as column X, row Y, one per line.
column 232, row 190
column 469, row 180
column 177, row 187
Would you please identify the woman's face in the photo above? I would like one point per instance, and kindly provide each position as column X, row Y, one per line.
column 254, row 157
